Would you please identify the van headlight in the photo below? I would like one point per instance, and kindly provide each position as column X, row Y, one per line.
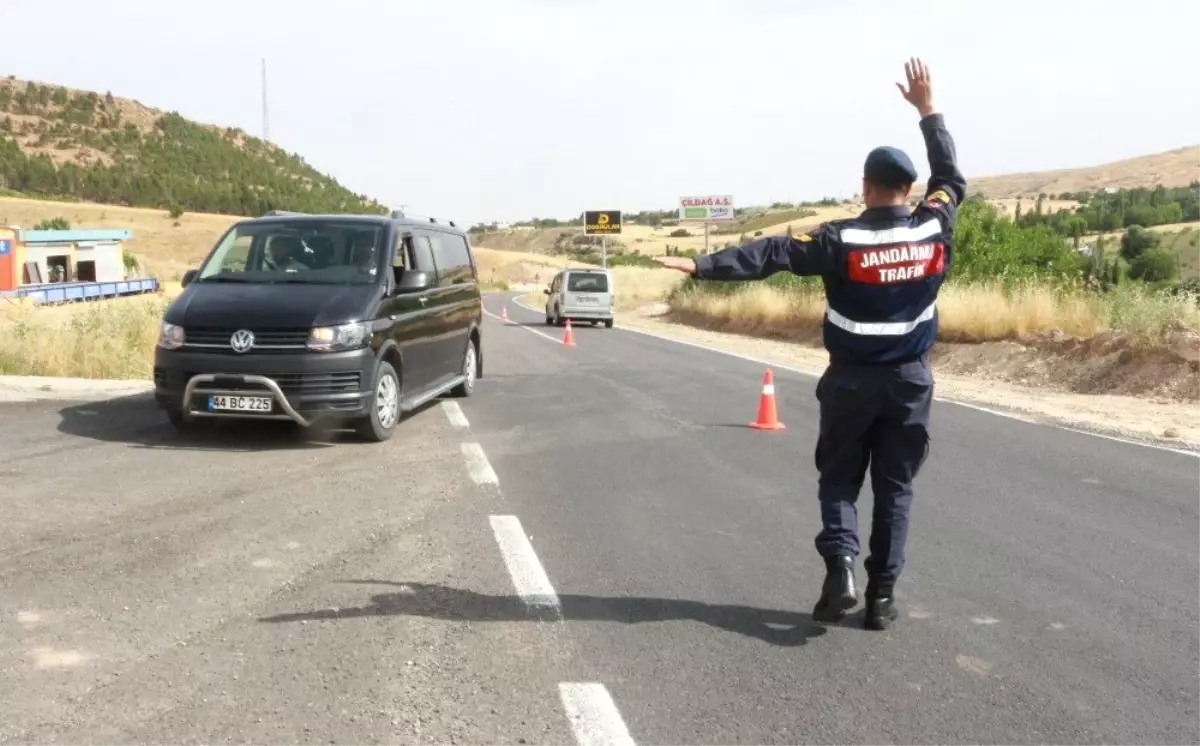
column 170, row 336
column 340, row 337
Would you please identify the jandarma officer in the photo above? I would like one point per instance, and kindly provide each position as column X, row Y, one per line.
column 882, row 271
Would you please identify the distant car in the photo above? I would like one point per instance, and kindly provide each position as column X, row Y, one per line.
column 580, row 295
column 348, row 318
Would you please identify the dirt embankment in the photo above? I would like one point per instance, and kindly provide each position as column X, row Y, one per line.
column 1109, row 363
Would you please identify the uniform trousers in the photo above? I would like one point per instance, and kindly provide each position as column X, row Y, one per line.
column 876, row 417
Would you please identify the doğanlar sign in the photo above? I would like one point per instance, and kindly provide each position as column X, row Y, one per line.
column 601, row 222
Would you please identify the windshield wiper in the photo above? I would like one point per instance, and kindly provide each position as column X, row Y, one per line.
column 226, row 278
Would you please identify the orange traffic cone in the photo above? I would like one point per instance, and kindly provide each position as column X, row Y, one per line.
column 767, row 418
column 568, row 337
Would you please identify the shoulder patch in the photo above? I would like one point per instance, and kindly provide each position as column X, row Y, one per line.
column 939, row 196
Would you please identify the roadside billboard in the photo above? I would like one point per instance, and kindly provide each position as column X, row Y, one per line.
column 601, row 222
column 713, row 209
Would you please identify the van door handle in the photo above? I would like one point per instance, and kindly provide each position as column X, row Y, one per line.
column 423, row 300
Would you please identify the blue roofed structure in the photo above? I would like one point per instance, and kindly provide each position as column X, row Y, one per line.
column 76, row 236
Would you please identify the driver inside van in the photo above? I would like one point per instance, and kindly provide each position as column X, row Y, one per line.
column 362, row 255
column 281, row 254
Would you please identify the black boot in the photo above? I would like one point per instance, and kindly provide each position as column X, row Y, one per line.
column 838, row 594
column 881, row 607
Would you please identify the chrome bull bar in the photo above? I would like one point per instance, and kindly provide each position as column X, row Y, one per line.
column 194, row 386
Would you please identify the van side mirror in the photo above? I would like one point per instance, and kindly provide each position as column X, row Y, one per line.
column 546, row 291
column 188, row 277
column 411, row 280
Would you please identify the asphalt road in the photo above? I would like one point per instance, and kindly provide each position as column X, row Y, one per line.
column 594, row 548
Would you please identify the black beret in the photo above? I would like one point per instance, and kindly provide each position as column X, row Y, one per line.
column 890, row 167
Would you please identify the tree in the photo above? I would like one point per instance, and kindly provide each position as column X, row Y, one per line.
column 1136, row 241
column 1076, row 226
column 1154, row 265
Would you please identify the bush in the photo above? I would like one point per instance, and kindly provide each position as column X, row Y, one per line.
column 679, row 233
column 1154, row 265
column 53, row 224
column 1136, row 241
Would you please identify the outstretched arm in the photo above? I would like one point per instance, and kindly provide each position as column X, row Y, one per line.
column 806, row 254
column 947, row 186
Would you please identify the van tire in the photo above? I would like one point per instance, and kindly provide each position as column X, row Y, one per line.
column 369, row 427
column 179, row 420
column 470, row 368
column 608, row 323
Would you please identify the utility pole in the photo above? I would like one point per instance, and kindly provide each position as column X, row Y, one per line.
column 266, row 118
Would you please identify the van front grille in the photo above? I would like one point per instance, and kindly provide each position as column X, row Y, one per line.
column 265, row 340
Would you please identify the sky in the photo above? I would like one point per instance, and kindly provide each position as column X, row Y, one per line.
column 502, row 110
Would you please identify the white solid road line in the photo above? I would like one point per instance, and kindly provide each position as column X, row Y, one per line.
column 997, row 413
column 477, row 464
column 594, row 716
column 455, row 414
column 526, row 571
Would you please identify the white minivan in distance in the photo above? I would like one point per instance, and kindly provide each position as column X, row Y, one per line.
column 580, row 295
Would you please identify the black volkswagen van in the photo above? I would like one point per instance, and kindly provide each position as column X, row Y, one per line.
column 354, row 318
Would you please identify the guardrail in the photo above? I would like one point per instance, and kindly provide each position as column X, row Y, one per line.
column 64, row 292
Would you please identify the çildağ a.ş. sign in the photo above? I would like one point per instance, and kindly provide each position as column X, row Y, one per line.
column 601, row 222
column 714, row 209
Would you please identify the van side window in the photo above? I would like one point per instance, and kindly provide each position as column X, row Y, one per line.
column 452, row 257
column 422, row 256
column 403, row 248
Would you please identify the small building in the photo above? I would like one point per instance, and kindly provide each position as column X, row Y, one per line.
column 66, row 266
column 54, row 256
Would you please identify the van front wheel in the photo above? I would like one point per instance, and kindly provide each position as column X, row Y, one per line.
column 608, row 323
column 384, row 406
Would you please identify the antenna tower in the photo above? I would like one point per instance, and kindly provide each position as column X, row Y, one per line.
column 266, row 118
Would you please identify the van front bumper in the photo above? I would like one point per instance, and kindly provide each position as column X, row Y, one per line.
column 302, row 387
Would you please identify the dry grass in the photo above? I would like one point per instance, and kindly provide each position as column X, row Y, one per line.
column 507, row 268
column 967, row 313
column 104, row 339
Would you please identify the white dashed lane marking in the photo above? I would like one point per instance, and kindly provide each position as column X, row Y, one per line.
column 477, row 464
column 455, row 414
column 526, row 571
column 594, row 716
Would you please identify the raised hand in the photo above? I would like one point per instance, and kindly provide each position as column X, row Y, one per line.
column 920, row 90
column 678, row 263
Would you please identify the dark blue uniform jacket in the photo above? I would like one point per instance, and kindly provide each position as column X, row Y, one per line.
column 882, row 270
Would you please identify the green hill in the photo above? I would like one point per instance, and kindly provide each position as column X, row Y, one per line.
column 80, row 145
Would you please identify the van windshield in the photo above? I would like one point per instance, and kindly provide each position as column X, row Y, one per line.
column 587, row 282
column 303, row 251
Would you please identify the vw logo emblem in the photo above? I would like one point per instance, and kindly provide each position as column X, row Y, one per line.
column 242, row 340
